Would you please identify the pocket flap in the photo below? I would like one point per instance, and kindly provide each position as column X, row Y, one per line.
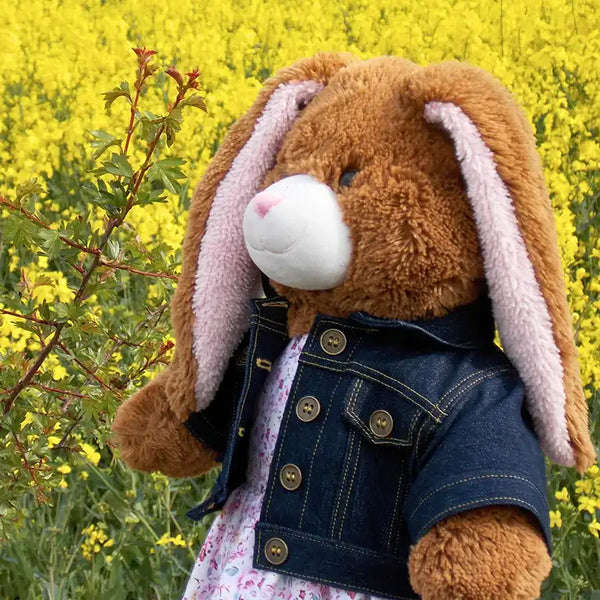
column 381, row 415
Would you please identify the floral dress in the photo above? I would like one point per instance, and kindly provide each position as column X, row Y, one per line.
column 223, row 570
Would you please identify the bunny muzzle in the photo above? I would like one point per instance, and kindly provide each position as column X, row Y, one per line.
column 295, row 233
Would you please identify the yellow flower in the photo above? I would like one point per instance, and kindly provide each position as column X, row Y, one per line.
column 594, row 528
column 62, row 483
column 64, row 469
column 555, row 518
column 84, row 475
column 90, row 453
column 58, row 373
column 53, row 440
column 583, row 486
column 562, row 495
column 594, row 470
column 166, row 539
column 587, row 504
column 95, row 539
column 26, row 421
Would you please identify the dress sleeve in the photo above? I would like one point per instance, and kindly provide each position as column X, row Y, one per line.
column 484, row 453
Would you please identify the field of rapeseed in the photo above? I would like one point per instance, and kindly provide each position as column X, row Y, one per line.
column 74, row 522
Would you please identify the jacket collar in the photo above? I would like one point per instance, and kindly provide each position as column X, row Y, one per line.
column 470, row 326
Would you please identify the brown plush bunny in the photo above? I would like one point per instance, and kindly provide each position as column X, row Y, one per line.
column 388, row 205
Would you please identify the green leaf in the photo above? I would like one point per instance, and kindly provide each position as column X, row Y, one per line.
column 103, row 141
column 44, row 310
column 167, row 173
column 51, row 242
column 149, row 125
column 27, row 189
column 18, row 232
column 195, row 100
column 112, row 249
column 146, row 195
column 173, row 125
column 118, row 165
column 121, row 91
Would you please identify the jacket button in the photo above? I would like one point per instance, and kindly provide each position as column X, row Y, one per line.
column 333, row 342
column 290, row 477
column 276, row 551
column 308, row 408
column 381, row 423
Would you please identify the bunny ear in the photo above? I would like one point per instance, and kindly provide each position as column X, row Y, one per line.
column 504, row 179
column 210, row 306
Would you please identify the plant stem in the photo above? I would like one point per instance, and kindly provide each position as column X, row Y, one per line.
column 29, row 318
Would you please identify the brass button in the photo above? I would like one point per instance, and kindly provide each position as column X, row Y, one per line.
column 290, row 477
column 381, row 423
column 276, row 551
column 333, row 342
column 308, row 408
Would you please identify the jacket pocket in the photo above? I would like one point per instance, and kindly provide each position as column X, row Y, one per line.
column 381, row 415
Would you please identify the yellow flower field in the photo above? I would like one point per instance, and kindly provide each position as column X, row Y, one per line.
column 101, row 526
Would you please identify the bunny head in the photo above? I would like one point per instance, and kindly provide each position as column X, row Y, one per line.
column 385, row 187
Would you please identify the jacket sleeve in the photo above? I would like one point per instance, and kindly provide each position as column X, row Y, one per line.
column 484, row 453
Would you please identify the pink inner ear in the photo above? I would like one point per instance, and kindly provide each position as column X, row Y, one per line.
column 226, row 275
column 519, row 307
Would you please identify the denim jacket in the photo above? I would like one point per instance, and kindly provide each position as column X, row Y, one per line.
column 390, row 427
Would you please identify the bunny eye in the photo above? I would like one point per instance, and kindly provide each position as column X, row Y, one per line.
column 347, row 177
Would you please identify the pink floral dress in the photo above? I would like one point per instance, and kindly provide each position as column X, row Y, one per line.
column 223, row 570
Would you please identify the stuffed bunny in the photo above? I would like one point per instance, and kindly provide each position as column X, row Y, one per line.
column 374, row 441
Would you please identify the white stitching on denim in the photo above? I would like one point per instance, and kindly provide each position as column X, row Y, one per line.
column 276, row 303
column 387, row 441
column 474, row 478
column 315, row 448
column 387, row 385
column 385, row 375
column 474, row 384
column 243, row 400
column 485, row 501
column 483, row 375
column 343, row 326
column 354, row 390
column 281, row 325
column 281, row 437
column 400, row 482
column 491, row 372
column 288, row 532
column 321, row 366
column 464, row 380
column 348, row 496
column 321, row 579
column 263, row 326
column 340, row 491
column 331, row 402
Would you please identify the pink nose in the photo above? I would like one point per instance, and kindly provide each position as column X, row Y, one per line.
column 265, row 201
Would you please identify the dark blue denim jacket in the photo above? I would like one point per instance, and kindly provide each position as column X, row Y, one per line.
column 417, row 421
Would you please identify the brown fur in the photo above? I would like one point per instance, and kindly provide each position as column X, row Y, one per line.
column 484, row 554
column 151, row 437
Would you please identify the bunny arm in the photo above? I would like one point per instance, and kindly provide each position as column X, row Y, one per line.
column 152, row 438
column 491, row 553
